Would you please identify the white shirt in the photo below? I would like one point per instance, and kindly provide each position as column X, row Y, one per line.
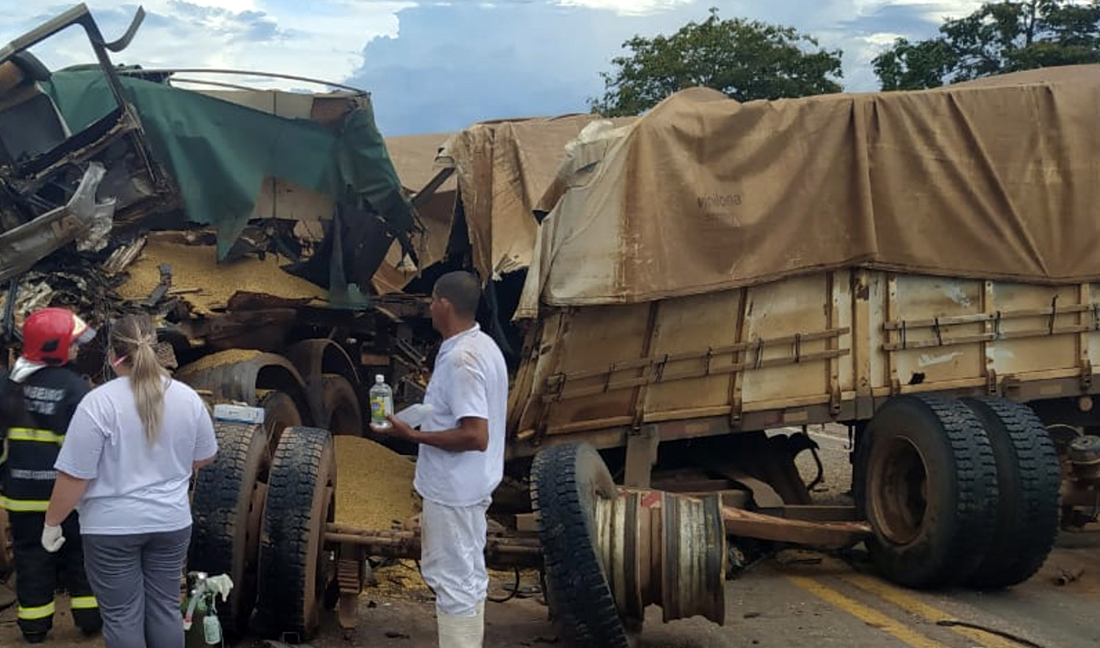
column 136, row 487
column 470, row 380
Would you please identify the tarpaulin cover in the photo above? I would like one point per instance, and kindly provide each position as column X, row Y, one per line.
column 998, row 180
column 503, row 169
column 219, row 152
column 414, row 157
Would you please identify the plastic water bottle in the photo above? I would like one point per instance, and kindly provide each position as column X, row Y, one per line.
column 381, row 402
column 212, row 628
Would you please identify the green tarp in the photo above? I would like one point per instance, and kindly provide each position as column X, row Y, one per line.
column 219, row 153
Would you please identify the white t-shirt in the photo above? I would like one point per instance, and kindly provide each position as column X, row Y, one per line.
column 470, row 380
column 135, row 487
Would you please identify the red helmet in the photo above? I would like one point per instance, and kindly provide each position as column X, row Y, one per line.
column 48, row 334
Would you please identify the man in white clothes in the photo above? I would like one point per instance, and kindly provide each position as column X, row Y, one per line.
column 461, row 459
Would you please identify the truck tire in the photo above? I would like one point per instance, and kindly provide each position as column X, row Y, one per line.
column 1028, row 481
column 301, row 500
column 227, row 506
column 280, row 412
column 341, row 406
column 931, row 491
column 566, row 482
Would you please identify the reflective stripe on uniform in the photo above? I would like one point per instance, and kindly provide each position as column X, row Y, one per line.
column 83, row 603
column 31, row 434
column 24, row 506
column 39, row 612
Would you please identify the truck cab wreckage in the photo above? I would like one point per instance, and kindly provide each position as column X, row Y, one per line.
column 646, row 375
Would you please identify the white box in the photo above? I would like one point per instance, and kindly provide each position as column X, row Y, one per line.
column 238, row 414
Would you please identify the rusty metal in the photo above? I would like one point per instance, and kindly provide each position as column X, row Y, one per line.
column 831, row 535
column 313, row 359
column 1085, row 451
column 350, row 574
column 653, row 368
column 663, row 549
column 641, row 454
column 232, row 377
column 814, row 513
column 500, row 551
column 693, row 559
column 1080, row 479
column 897, row 483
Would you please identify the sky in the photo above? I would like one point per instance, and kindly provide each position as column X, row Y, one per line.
column 435, row 66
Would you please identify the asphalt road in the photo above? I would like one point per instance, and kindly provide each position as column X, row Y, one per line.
column 803, row 599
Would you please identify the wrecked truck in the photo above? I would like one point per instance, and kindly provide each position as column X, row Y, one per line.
column 660, row 319
column 213, row 194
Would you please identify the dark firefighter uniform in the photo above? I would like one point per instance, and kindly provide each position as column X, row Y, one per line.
column 50, row 393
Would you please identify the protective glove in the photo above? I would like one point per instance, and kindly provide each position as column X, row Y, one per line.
column 52, row 538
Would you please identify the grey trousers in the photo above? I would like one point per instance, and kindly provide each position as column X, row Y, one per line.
column 136, row 579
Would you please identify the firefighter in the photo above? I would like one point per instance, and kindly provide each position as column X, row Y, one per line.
column 37, row 400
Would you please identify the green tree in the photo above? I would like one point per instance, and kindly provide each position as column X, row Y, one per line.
column 999, row 37
column 746, row 60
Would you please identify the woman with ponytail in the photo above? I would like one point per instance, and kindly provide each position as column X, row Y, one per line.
column 127, row 460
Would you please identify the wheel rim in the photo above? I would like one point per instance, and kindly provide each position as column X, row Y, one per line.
column 898, row 490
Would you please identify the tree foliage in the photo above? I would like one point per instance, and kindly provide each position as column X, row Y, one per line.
column 999, row 37
column 746, row 60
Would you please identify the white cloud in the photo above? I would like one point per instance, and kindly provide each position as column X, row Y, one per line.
column 626, row 7
column 319, row 39
column 235, row 6
column 931, row 9
column 434, row 63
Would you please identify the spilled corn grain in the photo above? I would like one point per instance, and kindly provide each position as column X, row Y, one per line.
column 206, row 284
column 375, row 485
column 232, row 356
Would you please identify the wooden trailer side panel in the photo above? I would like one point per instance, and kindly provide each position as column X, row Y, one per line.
column 720, row 355
column 810, row 349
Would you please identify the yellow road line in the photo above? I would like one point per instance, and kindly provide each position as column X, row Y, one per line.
column 868, row 615
column 900, row 598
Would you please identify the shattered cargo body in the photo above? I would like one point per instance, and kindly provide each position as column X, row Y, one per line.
column 224, row 189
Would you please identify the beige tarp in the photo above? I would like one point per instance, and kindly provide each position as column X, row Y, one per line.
column 503, row 169
column 997, row 179
column 413, row 157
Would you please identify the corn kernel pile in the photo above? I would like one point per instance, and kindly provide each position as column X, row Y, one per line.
column 374, row 486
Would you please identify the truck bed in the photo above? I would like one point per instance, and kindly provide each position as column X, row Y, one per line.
column 829, row 346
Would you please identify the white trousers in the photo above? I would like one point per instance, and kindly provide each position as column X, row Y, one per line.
column 452, row 556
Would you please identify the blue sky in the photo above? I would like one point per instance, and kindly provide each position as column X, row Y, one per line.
column 435, row 66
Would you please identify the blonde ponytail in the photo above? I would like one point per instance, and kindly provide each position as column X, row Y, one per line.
column 133, row 338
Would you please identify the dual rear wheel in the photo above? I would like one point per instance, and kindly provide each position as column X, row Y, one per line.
column 958, row 492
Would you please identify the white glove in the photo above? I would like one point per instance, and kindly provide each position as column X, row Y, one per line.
column 52, row 538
